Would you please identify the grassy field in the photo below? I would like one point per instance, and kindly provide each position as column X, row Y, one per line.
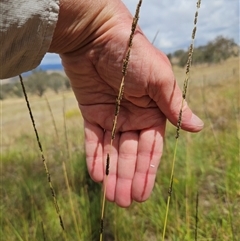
column 207, row 172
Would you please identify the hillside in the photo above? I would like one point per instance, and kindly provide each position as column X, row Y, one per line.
column 203, row 77
column 206, row 171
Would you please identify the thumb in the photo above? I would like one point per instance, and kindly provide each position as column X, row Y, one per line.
column 168, row 96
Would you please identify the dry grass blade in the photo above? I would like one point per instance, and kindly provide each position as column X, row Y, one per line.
column 42, row 154
column 155, row 37
column 185, row 86
column 117, row 109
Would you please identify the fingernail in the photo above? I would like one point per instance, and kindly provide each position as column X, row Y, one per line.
column 196, row 121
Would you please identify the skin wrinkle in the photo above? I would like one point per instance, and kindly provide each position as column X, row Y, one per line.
column 174, row 111
column 134, row 158
column 106, row 72
column 166, row 69
column 110, row 55
column 123, row 120
column 144, row 73
column 91, row 25
column 147, row 102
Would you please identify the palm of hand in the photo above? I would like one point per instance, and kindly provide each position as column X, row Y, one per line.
column 150, row 95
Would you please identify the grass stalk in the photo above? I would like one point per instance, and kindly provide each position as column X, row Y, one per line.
column 185, row 87
column 117, row 109
column 43, row 232
column 170, row 191
column 155, row 37
column 52, row 118
column 65, row 128
column 187, row 192
column 71, row 201
column 196, row 219
column 42, row 155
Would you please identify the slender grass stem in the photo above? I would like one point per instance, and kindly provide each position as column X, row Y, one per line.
column 170, row 190
column 196, row 218
column 117, row 109
column 155, row 37
column 53, row 119
column 185, row 87
column 71, row 201
column 104, row 195
column 18, row 236
column 43, row 232
column 42, row 154
column 187, row 191
column 65, row 128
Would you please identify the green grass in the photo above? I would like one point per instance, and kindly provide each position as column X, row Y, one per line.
column 207, row 163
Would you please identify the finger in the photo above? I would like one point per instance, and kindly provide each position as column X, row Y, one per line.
column 110, row 179
column 168, row 96
column 148, row 157
column 128, row 145
column 94, row 150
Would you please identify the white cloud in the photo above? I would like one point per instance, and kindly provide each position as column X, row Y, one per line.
column 174, row 21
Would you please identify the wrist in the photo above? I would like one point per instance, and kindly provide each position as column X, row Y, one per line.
column 79, row 22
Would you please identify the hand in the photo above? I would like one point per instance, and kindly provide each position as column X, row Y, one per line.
column 151, row 95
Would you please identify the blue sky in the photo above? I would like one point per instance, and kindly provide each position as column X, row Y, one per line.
column 173, row 20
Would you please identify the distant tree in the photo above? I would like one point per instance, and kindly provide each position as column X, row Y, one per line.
column 198, row 56
column 17, row 89
column 2, row 95
column 6, row 90
column 222, row 48
column 178, row 53
column 215, row 51
column 37, row 82
column 56, row 82
column 183, row 59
